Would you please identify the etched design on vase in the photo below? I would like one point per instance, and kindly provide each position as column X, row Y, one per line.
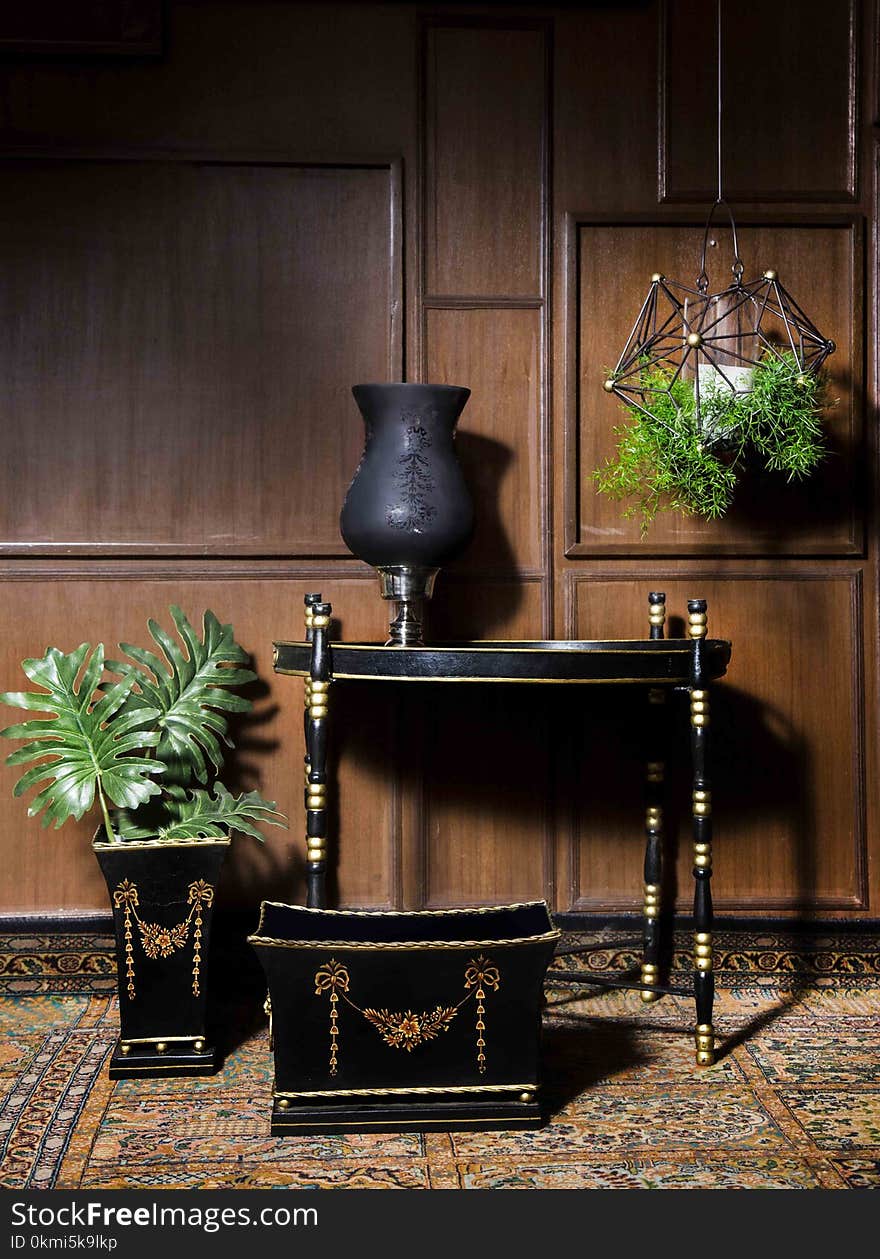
column 414, row 511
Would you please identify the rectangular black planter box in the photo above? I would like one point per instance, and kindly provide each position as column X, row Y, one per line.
column 405, row 1021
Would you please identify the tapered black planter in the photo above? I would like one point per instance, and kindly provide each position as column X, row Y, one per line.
column 162, row 894
column 405, row 1021
column 408, row 510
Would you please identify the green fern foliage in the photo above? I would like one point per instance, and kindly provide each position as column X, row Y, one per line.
column 689, row 461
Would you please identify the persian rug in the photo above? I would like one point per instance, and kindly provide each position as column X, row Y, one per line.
column 792, row 1103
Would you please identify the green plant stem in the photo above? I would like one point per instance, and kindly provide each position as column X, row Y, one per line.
column 111, row 836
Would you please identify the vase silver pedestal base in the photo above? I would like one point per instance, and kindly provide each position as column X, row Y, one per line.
column 409, row 587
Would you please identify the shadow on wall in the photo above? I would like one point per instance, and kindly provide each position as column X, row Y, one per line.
column 459, row 611
column 274, row 869
column 761, row 785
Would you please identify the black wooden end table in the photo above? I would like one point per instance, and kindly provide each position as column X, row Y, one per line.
column 661, row 665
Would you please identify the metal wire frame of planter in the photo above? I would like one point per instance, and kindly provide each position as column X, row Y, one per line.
column 681, row 328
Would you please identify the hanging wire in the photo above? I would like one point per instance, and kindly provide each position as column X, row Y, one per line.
column 720, row 196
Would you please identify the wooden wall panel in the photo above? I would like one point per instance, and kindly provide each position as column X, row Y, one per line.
column 484, row 196
column 487, row 607
column 119, row 28
column 605, row 121
column 790, row 100
column 319, row 79
column 486, row 797
column 49, row 871
column 788, row 743
column 479, row 759
column 184, row 335
column 497, row 355
column 820, row 263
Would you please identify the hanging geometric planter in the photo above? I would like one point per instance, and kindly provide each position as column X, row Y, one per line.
column 709, row 378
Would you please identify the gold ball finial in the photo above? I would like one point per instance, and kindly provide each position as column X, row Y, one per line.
column 694, row 340
column 161, row 1047
column 770, row 275
column 656, row 277
column 283, row 1103
column 124, row 1047
column 608, row 385
column 199, row 1045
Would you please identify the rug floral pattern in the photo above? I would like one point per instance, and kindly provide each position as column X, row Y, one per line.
column 793, row 1102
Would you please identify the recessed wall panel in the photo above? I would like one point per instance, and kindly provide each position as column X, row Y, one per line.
column 177, row 346
column 786, row 745
column 497, row 355
column 819, row 263
column 485, row 159
column 54, row 872
column 789, row 93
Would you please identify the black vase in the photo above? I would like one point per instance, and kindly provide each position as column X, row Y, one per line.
column 408, row 510
column 162, row 894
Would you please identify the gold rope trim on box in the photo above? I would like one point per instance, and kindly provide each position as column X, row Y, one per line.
column 259, row 938
column 167, row 844
column 408, row 1028
column 428, row 1090
column 158, row 941
column 402, row 945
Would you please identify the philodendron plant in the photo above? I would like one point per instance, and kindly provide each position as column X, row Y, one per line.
column 146, row 741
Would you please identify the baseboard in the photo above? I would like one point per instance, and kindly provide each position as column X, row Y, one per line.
column 237, row 924
column 803, row 925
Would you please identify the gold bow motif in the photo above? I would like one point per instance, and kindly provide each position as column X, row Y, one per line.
column 125, row 894
column 482, row 974
column 125, row 897
column 328, row 978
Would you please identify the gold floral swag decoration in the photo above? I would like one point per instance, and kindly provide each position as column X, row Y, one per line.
column 158, row 941
column 407, row 1029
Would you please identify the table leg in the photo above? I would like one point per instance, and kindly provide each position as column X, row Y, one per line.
column 704, row 980
column 317, row 703
column 654, row 776
column 309, row 601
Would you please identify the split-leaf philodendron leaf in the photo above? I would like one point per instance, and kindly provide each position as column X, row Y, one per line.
column 189, row 691
column 85, row 746
column 149, row 732
column 210, row 817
